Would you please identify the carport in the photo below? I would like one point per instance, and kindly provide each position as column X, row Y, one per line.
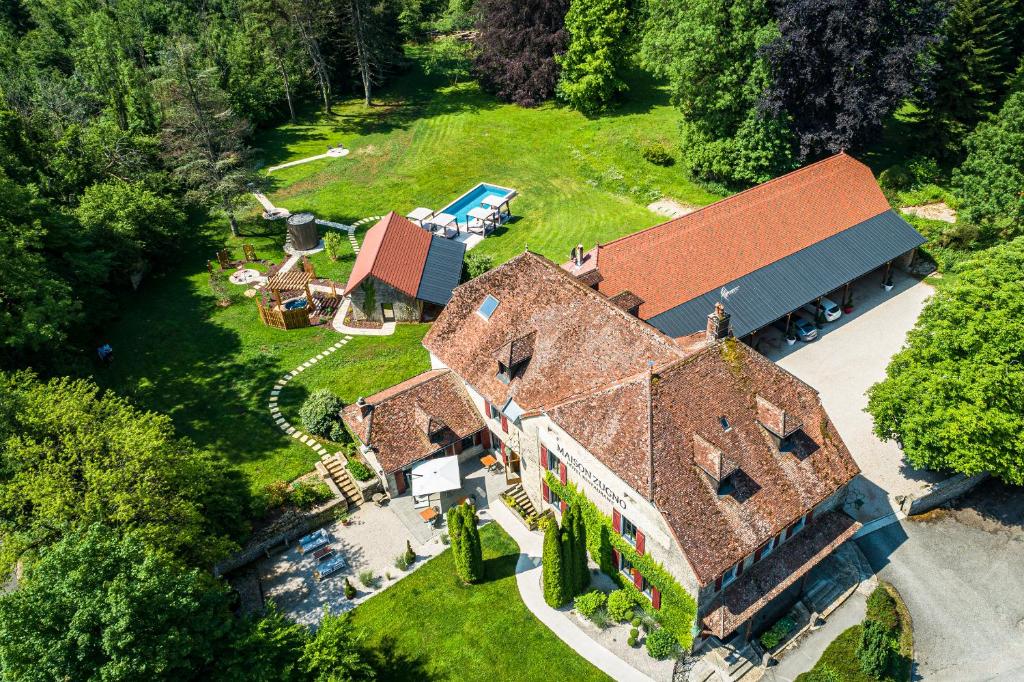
column 775, row 290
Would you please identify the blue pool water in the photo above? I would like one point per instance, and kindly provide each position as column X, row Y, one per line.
column 471, row 199
column 295, row 303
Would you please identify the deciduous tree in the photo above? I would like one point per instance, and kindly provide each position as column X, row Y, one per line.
column 517, row 46
column 839, row 68
column 954, row 397
column 593, row 63
column 334, row 654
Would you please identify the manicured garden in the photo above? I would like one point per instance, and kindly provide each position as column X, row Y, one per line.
column 880, row 649
column 431, row 625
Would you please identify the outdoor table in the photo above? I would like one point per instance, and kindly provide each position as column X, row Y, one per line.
column 428, row 515
column 488, row 461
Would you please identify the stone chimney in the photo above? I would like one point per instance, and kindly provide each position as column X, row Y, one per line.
column 718, row 323
column 578, row 255
column 364, row 407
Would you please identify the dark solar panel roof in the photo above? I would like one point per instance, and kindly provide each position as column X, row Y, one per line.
column 441, row 271
column 768, row 293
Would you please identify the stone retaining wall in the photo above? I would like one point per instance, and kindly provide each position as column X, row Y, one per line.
column 940, row 493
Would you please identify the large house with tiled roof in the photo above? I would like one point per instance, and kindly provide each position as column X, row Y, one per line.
column 403, row 269
column 706, row 456
column 763, row 252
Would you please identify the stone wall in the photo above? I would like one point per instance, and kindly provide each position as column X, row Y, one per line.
column 940, row 493
column 406, row 308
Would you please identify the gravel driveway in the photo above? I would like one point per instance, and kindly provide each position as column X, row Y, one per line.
column 850, row 356
column 960, row 572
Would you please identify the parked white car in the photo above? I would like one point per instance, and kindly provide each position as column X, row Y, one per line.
column 831, row 309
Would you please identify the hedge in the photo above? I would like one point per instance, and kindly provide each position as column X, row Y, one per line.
column 678, row 609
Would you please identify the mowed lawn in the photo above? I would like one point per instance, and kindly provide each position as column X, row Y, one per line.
column 580, row 180
column 211, row 368
column 430, row 626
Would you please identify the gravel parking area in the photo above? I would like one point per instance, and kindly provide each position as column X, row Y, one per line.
column 849, row 356
column 959, row 571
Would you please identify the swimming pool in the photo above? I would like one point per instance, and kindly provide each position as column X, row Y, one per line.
column 460, row 207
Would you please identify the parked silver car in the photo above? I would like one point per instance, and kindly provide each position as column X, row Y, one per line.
column 829, row 307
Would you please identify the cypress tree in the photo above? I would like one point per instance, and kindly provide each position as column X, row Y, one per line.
column 568, row 557
column 554, row 578
column 456, row 532
column 580, row 537
column 471, row 546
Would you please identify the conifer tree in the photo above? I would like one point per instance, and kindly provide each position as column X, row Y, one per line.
column 456, row 537
column 554, row 576
column 569, row 563
column 592, row 65
column 579, row 532
column 471, row 546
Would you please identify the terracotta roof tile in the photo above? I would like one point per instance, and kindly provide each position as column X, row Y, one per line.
column 394, row 251
column 674, row 262
column 582, row 343
column 413, row 419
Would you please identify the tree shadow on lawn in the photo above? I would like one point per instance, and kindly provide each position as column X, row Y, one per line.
column 392, row 664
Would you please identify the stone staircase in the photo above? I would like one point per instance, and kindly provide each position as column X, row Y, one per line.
column 522, row 500
column 822, row 594
column 335, row 466
column 730, row 662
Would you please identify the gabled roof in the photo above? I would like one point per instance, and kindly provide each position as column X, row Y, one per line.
column 669, row 264
column 415, row 418
column 404, row 255
column 582, row 341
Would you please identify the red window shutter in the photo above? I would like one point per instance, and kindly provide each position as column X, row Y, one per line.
column 810, row 515
column 400, row 481
column 638, row 580
column 739, row 568
column 487, row 407
column 504, row 423
column 616, row 520
column 757, row 554
column 477, row 438
column 485, row 439
column 504, row 458
column 545, row 491
column 640, row 542
column 718, row 583
column 789, row 531
column 655, row 597
column 562, row 472
column 543, row 458
column 615, row 559
column 458, row 446
column 562, row 505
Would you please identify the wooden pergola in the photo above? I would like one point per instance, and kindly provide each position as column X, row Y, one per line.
column 289, row 281
column 276, row 315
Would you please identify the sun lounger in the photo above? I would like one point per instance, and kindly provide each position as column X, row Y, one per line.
column 324, row 553
column 313, row 541
column 328, row 568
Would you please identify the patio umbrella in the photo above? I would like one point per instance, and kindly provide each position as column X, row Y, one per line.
column 436, row 476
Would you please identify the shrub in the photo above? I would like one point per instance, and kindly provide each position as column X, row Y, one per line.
column 634, row 633
column 320, row 412
column 350, row 590
column 475, row 265
column 657, row 154
column 631, row 641
column 445, row 539
column 771, row 637
column 359, row 471
column 306, row 495
column 876, row 651
column 600, row 618
column 881, row 609
column 369, row 579
column 662, row 644
column 401, row 563
column 588, row 603
column 895, row 178
column 410, row 556
column 277, row 494
column 338, row 433
column 635, row 622
column 332, row 240
column 466, row 548
column 620, row 605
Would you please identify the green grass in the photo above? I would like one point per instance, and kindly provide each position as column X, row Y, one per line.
column 580, row 179
column 431, row 626
column 211, row 369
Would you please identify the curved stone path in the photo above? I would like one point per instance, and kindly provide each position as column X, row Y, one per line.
column 275, row 392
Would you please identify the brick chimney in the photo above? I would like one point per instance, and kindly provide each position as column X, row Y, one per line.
column 364, row 407
column 718, row 323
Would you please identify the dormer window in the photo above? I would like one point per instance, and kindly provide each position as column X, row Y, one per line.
column 717, row 468
column 433, row 427
column 785, row 429
column 488, row 307
column 514, row 356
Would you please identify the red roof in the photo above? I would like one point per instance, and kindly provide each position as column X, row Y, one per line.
column 674, row 262
column 394, row 251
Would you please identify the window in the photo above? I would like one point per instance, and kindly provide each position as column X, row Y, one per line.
column 625, row 566
column 725, row 424
column 495, row 412
column 488, row 307
column 798, row 526
column 552, row 463
column 468, row 442
column 769, row 548
column 628, row 531
column 730, row 575
column 552, row 497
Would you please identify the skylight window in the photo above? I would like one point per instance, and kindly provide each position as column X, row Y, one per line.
column 725, row 424
column 488, row 307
